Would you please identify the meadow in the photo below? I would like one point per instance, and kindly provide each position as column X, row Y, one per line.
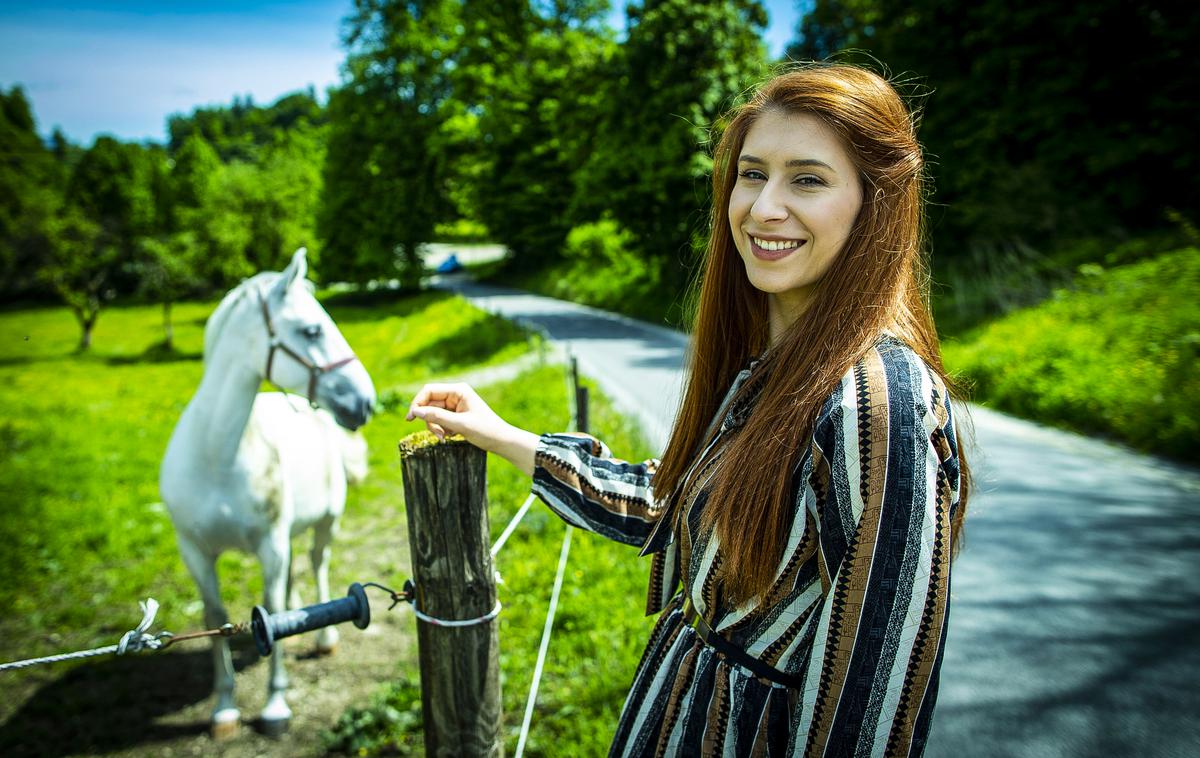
column 85, row 537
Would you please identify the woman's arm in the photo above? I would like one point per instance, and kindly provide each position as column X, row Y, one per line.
column 574, row 474
column 458, row 409
column 888, row 483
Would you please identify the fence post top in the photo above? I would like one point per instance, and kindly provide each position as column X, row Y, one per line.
column 420, row 442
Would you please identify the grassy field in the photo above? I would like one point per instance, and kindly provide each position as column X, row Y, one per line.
column 1114, row 354
column 85, row 537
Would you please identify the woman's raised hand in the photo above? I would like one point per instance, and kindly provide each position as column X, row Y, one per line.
column 458, row 409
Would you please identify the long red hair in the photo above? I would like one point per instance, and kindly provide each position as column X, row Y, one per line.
column 879, row 281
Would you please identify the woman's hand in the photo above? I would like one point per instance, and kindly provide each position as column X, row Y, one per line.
column 458, row 409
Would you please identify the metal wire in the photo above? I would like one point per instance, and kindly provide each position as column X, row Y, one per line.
column 541, row 659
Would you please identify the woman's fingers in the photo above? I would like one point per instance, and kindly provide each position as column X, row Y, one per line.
column 457, row 396
column 438, row 420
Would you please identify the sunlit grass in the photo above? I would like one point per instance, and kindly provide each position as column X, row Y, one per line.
column 82, row 437
column 85, row 537
column 1116, row 354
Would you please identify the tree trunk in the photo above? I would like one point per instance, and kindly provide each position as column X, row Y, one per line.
column 168, row 329
column 86, row 320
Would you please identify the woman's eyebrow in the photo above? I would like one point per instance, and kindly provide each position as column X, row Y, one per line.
column 793, row 163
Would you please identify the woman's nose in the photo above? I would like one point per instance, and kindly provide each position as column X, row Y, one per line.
column 769, row 205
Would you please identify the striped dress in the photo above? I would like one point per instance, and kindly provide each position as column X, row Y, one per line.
column 856, row 618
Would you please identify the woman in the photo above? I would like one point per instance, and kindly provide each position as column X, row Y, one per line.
column 813, row 487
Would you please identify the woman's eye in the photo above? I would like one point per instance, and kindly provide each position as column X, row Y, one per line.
column 752, row 174
column 312, row 332
column 808, row 180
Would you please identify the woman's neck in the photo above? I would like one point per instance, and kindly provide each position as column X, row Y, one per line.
column 783, row 308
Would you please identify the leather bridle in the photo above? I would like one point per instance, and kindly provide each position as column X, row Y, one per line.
column 314, row 371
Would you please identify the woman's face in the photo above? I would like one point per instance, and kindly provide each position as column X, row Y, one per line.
column 793, row 205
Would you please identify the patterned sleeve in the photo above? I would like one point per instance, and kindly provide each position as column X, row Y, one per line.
column 886, row 477
column 579, row 479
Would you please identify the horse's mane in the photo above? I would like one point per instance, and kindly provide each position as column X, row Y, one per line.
column 259, row 283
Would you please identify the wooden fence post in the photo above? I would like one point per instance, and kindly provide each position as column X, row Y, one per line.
column 445, row 494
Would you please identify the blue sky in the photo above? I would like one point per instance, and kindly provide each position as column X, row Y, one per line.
column 121, row 68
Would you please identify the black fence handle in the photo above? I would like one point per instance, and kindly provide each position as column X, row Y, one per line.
column 268, row 627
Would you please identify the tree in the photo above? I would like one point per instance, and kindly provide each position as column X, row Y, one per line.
column 1038, row 130
column 528, row 72
column 31, row 180
column 240, row 131
column 386, row 181
column 167, row 271
column 81, row 268
column 682, row 66
column 109, row 208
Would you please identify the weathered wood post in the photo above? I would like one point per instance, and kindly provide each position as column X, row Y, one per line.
column 445, row 495
column 580, row 392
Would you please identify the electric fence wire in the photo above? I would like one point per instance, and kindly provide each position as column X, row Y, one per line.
column 545, row 645
column 512, row 525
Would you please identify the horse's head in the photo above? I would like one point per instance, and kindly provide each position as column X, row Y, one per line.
column 307, row 354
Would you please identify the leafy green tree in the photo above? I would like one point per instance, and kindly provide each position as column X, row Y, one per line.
column 167, row 269
column 386, row 181
column 94, row 243
column 529, row 72
column 81, row 267
column 1039, row 128
column 682, row 65
column 31, row 180
column 196, row 169
column 242, row 130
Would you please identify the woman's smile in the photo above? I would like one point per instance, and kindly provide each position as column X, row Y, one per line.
column 767, row 249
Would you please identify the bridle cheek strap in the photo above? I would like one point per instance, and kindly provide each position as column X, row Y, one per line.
column 314, row 371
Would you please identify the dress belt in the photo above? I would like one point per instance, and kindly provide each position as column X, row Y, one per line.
column 732, row 652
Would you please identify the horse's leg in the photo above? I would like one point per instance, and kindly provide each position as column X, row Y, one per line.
column 203, row 568
column 323, row 534
column 293, row 592
column 274, row 553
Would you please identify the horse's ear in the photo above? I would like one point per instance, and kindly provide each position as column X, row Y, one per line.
column 295, row 272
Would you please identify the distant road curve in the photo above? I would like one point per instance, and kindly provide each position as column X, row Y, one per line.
column 1075, row 614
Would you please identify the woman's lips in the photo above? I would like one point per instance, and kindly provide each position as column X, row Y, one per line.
column 781, row 248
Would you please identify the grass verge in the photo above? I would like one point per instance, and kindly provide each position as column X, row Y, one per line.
column 1115, row 354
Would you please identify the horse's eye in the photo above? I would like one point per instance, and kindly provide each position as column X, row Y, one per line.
column 312, row 332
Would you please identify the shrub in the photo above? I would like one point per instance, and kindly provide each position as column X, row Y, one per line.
column 1116, row 353
column 602, row 270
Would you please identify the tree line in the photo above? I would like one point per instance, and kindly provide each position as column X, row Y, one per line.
column 533, row 123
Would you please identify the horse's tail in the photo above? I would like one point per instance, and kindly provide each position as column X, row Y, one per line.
column 354, row 456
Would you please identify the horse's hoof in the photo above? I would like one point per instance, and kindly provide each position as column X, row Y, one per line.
column 225, row 724
column 327, row 649
column 275, row 727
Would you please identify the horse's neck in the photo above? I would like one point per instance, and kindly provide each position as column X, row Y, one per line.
column 222, row 404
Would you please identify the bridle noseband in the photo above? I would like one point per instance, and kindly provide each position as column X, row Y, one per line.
column 314, row 371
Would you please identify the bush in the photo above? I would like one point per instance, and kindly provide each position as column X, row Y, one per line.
column 601, row 268
column 1116, row 354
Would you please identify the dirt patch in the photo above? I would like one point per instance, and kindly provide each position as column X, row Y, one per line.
column 159, row 703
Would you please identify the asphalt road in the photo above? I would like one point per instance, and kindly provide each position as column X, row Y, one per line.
column 1075, row 603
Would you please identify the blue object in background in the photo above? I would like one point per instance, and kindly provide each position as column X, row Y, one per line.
column 450, row 265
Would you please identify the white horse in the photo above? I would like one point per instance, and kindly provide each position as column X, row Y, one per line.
column 247, row 471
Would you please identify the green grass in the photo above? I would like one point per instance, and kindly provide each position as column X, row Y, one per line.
column 83, row 435
column 1115, row 354
column 85, row 537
